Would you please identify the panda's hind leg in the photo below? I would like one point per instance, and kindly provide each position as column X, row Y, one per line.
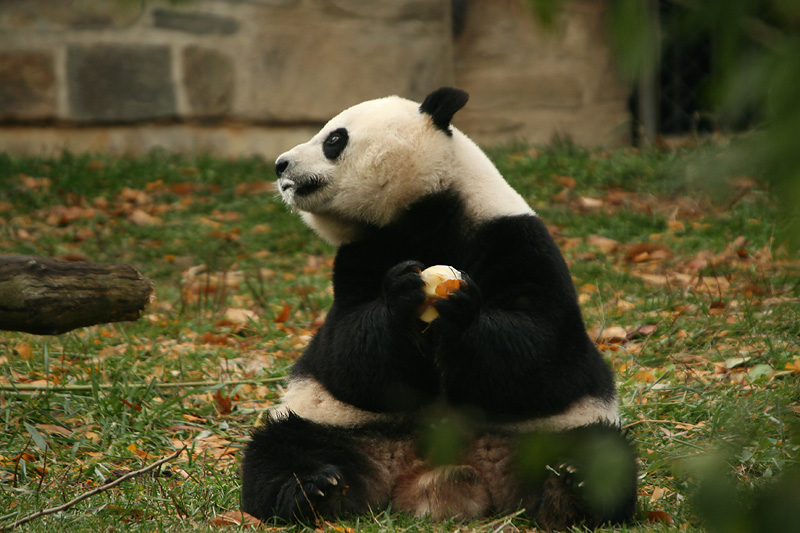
column 592, row 480
column 294, row 469
column 442, row 492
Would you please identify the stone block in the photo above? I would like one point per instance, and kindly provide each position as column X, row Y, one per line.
column 43, row 16
column 208, row 79
column 115, row 83
column 27, row 85
column 270, row 3
column 531, row 83
column 396, row 9
column 194, row 22
column 341, row 57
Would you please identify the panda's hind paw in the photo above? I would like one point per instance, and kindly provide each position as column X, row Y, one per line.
column 309, row 496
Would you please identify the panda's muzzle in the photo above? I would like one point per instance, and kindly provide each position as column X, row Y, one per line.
column 292, row 183
column 300, row 185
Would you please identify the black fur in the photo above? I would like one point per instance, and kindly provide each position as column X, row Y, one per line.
column 510, row 345
column 335, row 143
column 294, row 469
column 442, row 104
column 518, row 318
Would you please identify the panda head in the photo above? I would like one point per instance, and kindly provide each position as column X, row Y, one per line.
column 373, row 160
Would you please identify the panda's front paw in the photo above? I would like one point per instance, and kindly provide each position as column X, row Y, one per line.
column 310, row 496
column 402, row 288
column 461, row 307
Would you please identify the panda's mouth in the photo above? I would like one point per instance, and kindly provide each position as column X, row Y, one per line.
column 300, row 186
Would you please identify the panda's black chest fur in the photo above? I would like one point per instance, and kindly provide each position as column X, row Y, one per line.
column 434, row 231
column 533, row 328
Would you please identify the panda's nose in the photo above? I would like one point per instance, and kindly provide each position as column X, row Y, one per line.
column 281, row 165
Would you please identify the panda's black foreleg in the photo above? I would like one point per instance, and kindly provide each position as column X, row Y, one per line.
column 297, row 470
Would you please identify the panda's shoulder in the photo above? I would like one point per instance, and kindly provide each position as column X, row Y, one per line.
column 524, row 236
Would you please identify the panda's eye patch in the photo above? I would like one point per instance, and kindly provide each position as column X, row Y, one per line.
column 334, row 144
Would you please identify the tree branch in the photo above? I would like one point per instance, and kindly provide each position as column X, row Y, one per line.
column 45, row 296
column 98, row 490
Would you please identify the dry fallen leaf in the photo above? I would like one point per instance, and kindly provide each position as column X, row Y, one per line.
column 794, row 366
column 236, row 518
column 241, row 316
column 604, row 244
column 644, row 330
column 587, row 202
column 646, row 251
column 676, row 225
column 52, row 428
column 565, row 181
column 609, row 335
column 283, row 316
column 224, row 403
column 23, row 351
column 662, row 517
column 141, row 218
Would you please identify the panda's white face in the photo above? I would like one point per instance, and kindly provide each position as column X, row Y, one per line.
column 364, row 166
column 373, row 160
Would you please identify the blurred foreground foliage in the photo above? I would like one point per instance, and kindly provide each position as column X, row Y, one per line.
column 755, row 47
column 755, row 78
column 756, row 73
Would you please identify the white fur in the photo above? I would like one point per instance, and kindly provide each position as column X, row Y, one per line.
column 309, row 399
column 394, row 156
column 587, row 410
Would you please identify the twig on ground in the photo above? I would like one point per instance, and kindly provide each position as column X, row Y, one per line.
column 25, row 387
column 93, row 492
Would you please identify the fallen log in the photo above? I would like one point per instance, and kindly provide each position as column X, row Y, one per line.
column 46, row 296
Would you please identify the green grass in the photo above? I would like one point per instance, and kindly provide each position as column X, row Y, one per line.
column 713, row 376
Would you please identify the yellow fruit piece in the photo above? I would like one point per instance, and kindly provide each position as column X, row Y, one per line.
column 440, row 281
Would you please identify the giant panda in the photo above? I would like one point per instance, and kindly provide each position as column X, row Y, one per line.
column 507, row 363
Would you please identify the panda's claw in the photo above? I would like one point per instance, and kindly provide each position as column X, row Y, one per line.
column 309, row 495
column 568, row 467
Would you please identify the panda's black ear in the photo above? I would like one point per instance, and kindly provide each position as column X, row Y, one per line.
column 442, row 104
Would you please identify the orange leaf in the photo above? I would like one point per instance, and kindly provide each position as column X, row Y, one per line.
column 141, row 453
column 793, row 366
column 135, row 407
column 214, row 338
column 283, row 316
column 646, row 251
column 23, row 350
column 663, row 517
column 183, row 189
column 675, row 225
column 224, row 403
column 565, row 181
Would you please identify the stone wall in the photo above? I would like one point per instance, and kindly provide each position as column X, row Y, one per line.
column 243, row 77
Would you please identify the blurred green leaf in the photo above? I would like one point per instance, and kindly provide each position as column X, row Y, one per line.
column 37, row 437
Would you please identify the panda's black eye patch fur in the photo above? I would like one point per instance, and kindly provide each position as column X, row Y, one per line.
column 334, row 144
